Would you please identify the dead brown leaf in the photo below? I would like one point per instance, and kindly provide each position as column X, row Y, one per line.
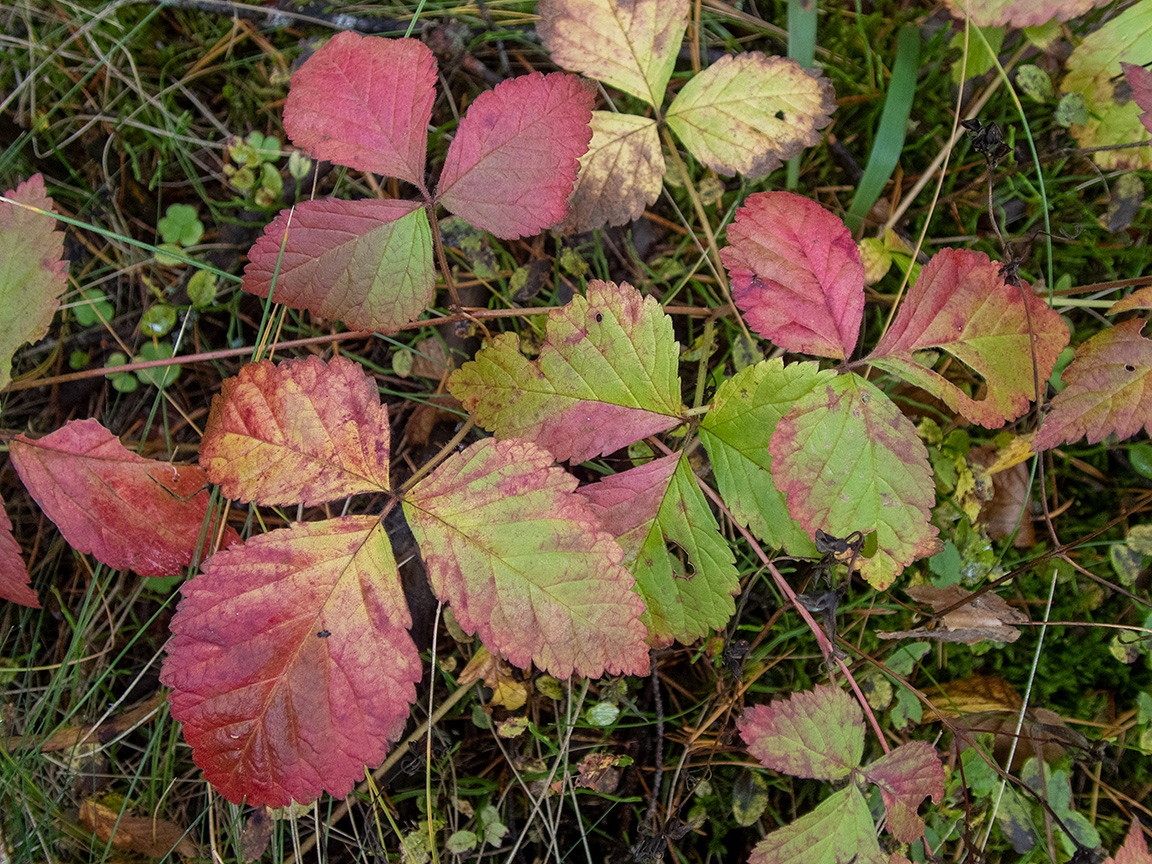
column 985, row 617
column 154, row 838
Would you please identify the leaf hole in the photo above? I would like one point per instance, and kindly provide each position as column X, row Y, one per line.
column 678, row 557
column 779, row 115
column 599, row 317
column 323, row 634
column 1129, row 367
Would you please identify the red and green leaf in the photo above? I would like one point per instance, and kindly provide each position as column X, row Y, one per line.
column 13, row 572
column 1108, row 389
column 746, row 114
column 847, row 460
column 906, row 776
column 815, row 733
column 672, row 545
column 736, row 433
column 131, row 513
column 365, row 102
column 290, row 663
column 961, row 304
column 524, row 562
column 512, row 164
column 1139, row 78
column 33, row 274
column 1020, row 13
column 630, row 46
column 1135, row 848
column 796, row 274
column 303, row 431
column 367, row 263
column 606, row 377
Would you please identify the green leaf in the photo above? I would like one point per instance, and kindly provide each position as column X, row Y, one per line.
column 815, row 733
column 202, row 289
column 980, row 59
column 748, row 113
column 673, row 546
column 839, row 830
column 181, row 226
column 736, row 432
column 606, row 377
column 602, row 714
column 524, row 562
column 461, row 842
column 157, row 376
column 1035, row 82
column 494, row 829
column 848, row 460
column 94, row 309
column 158, row 321
column 1095, row 74
column 749, row 797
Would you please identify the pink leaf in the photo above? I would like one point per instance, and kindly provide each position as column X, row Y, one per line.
column 365, row 102
column 1109, row 389
column 796, row 274
column 513, row 162
column 32, row 274
column 906, row 776
column 131, row 513
column 813, row 733
column 1135, row 848
column 304, row 431
column 367, row 263
column 960, row 304
column 1139, row 78
column 13, row 573
column 525, row 563
column 290, row 663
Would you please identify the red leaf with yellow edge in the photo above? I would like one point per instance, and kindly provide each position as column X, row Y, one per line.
column 131, row 513
column 813, row 733
column 365, row 102
column 290, row 663
column 606, row 377
column 525, row 564
column 512, row 164
column 1109, row 389
column 305, row 431
column 366, row 263
column 961, row 304
column 796, row 274
column 33, row 275
column 13, row 572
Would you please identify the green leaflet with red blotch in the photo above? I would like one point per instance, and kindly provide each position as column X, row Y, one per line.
column 33, row 274
column 605, row 378
column 960, row 304
column 1109, row 389
column 290, row 662
column 673, row 546
column 838, row 831
column 815, row 733
column 303, row 431
column 524, row 562
column 847, row 460
column 367, row 263
column 736, row 432
column 1095, row 72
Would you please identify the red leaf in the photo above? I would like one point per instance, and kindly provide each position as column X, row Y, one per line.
column 131, row 513
column 513, row 162
column 13, row 573
column 961, row 304
column 291, row 663
column 365, row 102
column 1109, row 389
column 367, row 263
column 525, row 563
column 1139, row 78
column 301, row 432
column 906, row 776
column 1135, row 848
column 796, row 274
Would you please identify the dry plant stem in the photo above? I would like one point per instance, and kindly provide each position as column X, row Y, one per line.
column 428, row 739
column 659, row 757
column 395, row 756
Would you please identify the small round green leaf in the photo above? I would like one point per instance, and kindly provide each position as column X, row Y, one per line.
column 202, row 289
column 159, row 376
column 749, row 798
column 158, row 320
column 1140, row 454
column 602, row 714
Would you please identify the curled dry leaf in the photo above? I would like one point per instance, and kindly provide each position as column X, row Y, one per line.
column 985, row 617
column 154, row 838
